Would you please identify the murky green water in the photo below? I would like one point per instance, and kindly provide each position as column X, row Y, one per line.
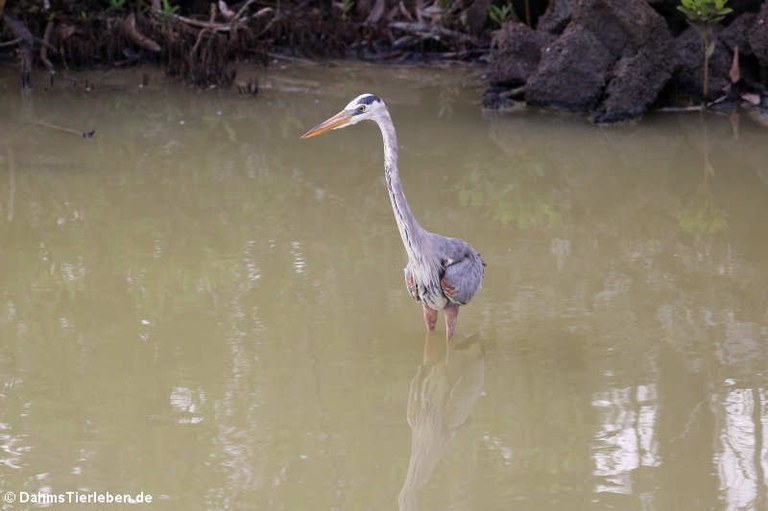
column 198, row 305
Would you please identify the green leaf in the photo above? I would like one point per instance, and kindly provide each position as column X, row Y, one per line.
column 704, row 11
column 689, row 13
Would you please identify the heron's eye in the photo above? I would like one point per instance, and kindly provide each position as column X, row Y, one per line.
column 361, row 109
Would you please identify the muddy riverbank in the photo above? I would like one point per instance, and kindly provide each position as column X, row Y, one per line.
column 608, row 59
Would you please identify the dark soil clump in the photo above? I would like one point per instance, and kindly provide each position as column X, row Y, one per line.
column 615, row 59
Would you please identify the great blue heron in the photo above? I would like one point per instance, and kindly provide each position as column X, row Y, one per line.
column 442, row 273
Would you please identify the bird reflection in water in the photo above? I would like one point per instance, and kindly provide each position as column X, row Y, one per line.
column 441, row 398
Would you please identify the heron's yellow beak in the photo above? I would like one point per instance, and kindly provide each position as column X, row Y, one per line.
column 337, row 121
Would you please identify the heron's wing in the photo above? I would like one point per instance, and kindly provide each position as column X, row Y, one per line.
column 462, row 274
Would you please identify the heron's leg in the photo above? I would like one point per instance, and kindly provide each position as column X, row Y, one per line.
column 430, row 317
column 451, row 313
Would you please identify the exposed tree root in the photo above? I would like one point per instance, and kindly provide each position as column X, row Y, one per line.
column 26, row 43
column 133, row 33
column 202, row 49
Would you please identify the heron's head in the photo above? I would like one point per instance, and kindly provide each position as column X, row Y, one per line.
column 364, row 107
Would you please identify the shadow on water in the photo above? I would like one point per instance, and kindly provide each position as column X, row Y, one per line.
column 441, row 398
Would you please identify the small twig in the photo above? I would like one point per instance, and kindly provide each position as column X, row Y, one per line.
column 228, row 13
column 44, row 47
column 263, row 12
column 243, row 9
column 268, row 26
column 675, row 109
column 404, row 11
column 198, row 41
column 219, row 27
column 512, row 93
column 83, row 134
column 45, row 43
column 18, row 28
column 291, row 58
column 428, row 31
column 12, row 42
column 203, row 32
column 377, row 11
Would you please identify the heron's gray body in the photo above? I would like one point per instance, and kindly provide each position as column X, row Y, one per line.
column 458, row 266
column 442, row 273
column 435, row 263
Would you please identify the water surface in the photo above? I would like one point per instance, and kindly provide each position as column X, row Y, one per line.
column 199, row 305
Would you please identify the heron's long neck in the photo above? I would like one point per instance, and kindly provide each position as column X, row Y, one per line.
column 411, row 232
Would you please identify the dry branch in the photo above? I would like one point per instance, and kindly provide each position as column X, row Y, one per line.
column 129, row 25
column 44, row 47
column 430, row 31
column 376, row 13
column 26, row 43
column 218, row 27
column 12, row 42
column 64, row 129
column 18, row 28
column 203, row 32
column 228, row 13
column 239, row 14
